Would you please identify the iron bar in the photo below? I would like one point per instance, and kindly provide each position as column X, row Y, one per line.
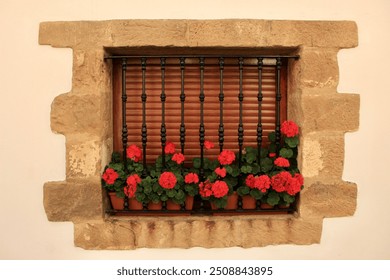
column 259, row 103
column 144, row 134
column 163, row 98
column 201, row 125
column 240, row 124
column 277, row 110
column 221, row 99
column 124, row 126
column 182, row 100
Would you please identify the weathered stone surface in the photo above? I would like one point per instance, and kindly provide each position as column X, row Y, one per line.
column 186, row 232
column 85, row 117
column 328, row 200
column 73, row 201
column 323, row 156
column 331, row 112
column 195, row 33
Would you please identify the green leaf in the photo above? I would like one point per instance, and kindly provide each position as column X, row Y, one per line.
column 243, row 190
column 292, row 142
column 171, row 193
column 256, row 194
column 286, row 153
column 272, row 136
column 246, row 169
column 266, row 164
column 196, row 162
column 273, row 198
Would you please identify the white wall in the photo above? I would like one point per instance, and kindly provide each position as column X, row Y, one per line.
column 30, row 154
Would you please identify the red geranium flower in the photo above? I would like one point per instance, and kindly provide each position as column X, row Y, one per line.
column 295, row 184
column 109, row 176
column 167, row 180
column 134, row 153
column 289, row 128
column 220, row 189
column 272, row 155
column 280, row 181
column 170, row 148
column 205, row 189
column 221, row 172
column 250, row 181
column 178, row 158
column 282, row 162
column 262, row 183
column 226, row 157
column 131, row 187
column 208, row 145
column 191, row 178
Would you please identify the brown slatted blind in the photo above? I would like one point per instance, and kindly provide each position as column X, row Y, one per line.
column 192, row 104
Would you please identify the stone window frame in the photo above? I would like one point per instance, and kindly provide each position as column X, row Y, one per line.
column 84, row 116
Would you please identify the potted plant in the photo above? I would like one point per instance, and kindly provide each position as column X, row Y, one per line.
column 120, row 180
column 286, row 180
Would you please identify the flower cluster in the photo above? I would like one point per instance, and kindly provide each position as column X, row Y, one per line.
column 131, row 187
column 110, row 176
column 261, row 182
column 285, row 182
column 218, row 189
column 167, row 180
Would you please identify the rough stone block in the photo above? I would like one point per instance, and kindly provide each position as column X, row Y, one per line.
column 73, row 201
column 328, row 200
column 331, row 112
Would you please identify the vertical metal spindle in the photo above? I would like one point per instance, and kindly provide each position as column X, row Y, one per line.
column 278, row 99
column 124, row 125
column 221, row 99
column 259, row 103
column 182, row 100
column 144, row 128
column 162, row 98
column 240, row 123
column 201, row 125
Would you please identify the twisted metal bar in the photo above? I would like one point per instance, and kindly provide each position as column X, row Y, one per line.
column 144, row 134
column 277, row 111
column 240, row 124
column 124, row 125
column 259, row 103
column 163, row 129
column 201, row 125
column 221, row 131
column 182, row 100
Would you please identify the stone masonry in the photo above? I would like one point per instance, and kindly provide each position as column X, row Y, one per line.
column 84, row 116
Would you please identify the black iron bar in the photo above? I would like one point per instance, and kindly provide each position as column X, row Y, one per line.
column 163, row 98
column 240, row 123
column 182, row 100
column 201, row 55
column 221, row 99
column 144, row 134
column 201, row 125
column 277, row 110
column 124, row 126
column 259, row 102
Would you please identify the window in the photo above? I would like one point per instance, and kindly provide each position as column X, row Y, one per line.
column 182, row 82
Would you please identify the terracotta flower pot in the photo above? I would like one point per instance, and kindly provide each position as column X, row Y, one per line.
column 154, row 206
column 116, row 202
column 172, row 205
column 266, row 206
column 189, row 202
column 248, row 202
column 232, row 202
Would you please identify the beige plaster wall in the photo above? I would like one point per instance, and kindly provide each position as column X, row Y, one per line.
column 30, row 154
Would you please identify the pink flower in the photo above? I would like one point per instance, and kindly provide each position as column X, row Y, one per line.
column 221, row 172
column 289, row 128
column 282, row 162
column 169, row 148
column 134, row 153
column 220, row 189
column 226, row 157
column 208, row 145
column 178, row 158
column 167, row 180
column 191, row 178
column 109, row 176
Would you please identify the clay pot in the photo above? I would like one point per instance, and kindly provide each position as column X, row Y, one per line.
column 248, row 202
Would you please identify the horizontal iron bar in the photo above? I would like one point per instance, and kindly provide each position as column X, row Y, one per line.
column 198, row 56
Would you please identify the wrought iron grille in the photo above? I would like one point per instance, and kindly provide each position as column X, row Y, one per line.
column 136, row 94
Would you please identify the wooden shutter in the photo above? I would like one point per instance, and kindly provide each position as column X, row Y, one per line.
column 192, row 103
